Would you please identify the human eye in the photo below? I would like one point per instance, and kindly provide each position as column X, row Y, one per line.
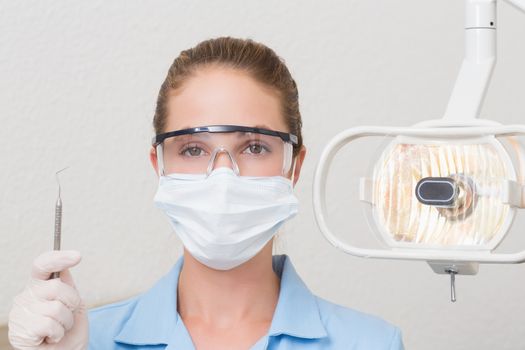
column 256, row 148
column 192, row 150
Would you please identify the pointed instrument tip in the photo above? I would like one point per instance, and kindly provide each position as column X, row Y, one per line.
column 58, row 182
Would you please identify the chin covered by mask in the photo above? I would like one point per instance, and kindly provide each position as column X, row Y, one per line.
column 224, row 220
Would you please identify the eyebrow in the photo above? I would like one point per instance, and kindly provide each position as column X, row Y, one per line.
column 261, row 126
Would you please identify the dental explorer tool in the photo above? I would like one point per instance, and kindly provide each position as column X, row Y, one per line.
column 58, row 222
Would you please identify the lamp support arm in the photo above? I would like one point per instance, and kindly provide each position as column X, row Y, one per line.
column 480, row 58
column 478, row 64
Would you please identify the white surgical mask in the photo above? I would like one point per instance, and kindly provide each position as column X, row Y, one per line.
column 224, row 220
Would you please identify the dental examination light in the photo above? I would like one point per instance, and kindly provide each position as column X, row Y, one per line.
column 446, row 190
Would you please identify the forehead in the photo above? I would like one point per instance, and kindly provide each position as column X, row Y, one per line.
column 216, row 95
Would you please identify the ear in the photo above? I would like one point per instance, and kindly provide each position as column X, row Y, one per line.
column 153, row 159
column 299, row 159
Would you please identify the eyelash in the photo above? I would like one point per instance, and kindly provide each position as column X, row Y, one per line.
column 264, row 148
column 186, row 148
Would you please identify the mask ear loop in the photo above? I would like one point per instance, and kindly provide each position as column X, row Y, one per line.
column 214, row 156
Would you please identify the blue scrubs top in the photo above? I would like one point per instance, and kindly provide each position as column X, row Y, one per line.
column 301, row 320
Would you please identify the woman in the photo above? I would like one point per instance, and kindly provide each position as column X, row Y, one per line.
column 228, row 151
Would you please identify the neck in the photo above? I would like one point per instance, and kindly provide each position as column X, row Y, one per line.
column 247, row 293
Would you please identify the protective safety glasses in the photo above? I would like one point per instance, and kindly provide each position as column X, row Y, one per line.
column 249, row 151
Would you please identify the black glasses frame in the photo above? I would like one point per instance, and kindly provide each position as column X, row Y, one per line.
column 286, row 137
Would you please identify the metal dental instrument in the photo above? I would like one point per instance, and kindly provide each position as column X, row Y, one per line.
column 58, row 222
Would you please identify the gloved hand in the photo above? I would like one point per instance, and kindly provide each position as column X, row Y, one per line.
column 49, row 314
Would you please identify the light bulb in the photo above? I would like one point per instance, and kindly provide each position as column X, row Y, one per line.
column 442, row 194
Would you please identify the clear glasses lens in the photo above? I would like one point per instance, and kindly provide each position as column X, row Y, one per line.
column 254, row 154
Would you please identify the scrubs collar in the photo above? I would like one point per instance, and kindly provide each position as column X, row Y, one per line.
column 297, row 313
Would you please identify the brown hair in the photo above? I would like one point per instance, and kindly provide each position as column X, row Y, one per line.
column 261, row 62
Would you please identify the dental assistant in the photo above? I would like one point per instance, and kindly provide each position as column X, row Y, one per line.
column 228, row 150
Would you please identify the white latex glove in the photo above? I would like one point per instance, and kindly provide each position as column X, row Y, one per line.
column 49, row 314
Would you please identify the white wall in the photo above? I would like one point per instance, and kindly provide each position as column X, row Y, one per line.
column 78, row 87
